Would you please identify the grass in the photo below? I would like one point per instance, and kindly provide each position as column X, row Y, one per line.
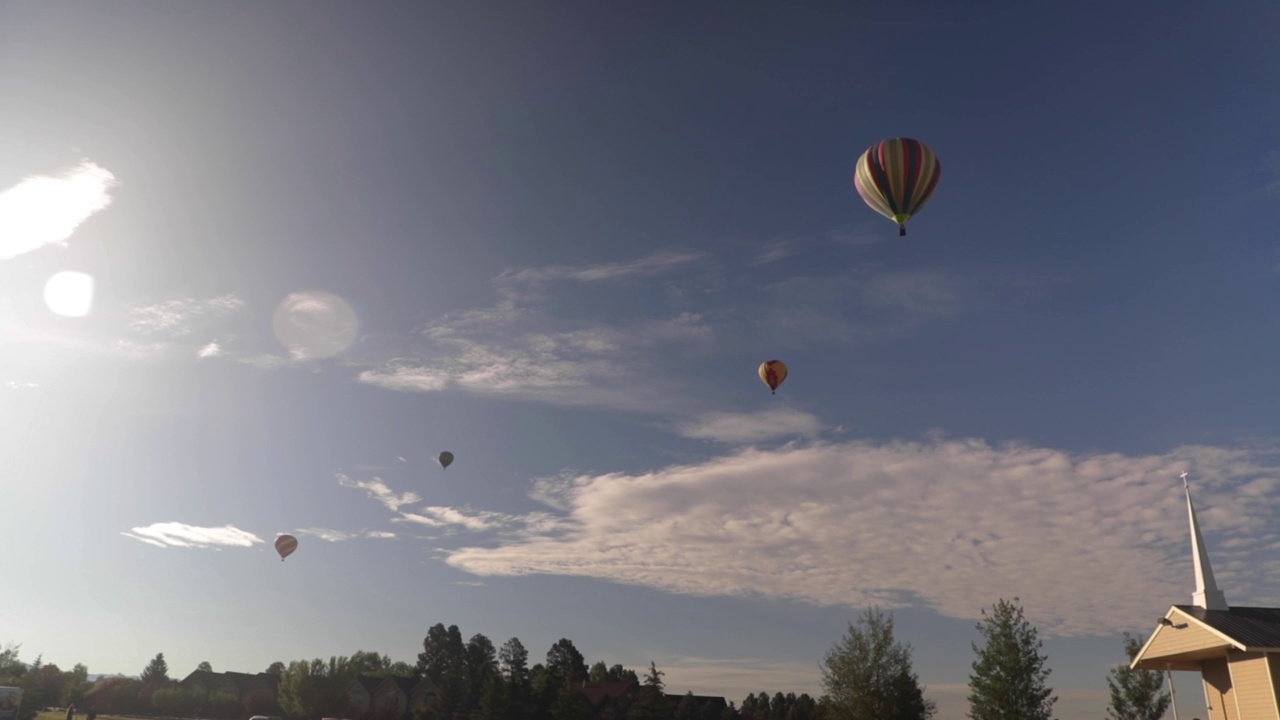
column 56, row 715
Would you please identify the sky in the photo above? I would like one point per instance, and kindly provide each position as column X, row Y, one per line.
column 261, row 262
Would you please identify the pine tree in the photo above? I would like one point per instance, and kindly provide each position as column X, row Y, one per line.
column 1135, row 694
column 868, row 675
column 156, row 672
column 1009, row 677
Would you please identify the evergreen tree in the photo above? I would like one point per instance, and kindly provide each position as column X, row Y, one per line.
column 205, row 666
column 1009, row 676
column 868, row 674
column 650, row 702
column 156, row 672
column 1136, row 694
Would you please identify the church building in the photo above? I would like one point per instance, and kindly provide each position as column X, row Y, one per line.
column 1236, row 650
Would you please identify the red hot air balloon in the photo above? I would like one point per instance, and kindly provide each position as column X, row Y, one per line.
column 772, row 373
column 285, row 545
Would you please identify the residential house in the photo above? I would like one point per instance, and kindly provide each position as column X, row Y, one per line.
column 362, row 688
column 391, row 697
column 255, row 693
column 608, row 700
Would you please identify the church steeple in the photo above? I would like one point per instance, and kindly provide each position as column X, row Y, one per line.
column 1207, row 594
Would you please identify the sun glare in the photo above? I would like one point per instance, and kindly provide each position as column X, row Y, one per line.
column 69, row 294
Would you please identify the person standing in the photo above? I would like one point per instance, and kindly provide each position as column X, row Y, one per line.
column 71, row 711
column 91, row 714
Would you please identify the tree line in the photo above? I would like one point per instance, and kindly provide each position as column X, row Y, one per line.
column 867, row 675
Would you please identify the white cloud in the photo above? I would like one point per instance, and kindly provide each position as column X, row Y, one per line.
column 46, row 210
column 378, row 490
column 19, row 385
column 331, row 535
column 176, row 317
column 654, row 264
column 173, row 534
column 1090, row 543
column 751, row 427
column 213, row 349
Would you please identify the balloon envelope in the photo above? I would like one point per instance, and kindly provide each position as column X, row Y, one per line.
column 445, row 459
column 772, row 373
column 896, row 178
column 285, row 545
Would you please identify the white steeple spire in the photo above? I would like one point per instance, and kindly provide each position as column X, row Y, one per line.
column 1207, row 594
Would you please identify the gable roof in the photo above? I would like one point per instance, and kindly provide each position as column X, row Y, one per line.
column 598, row 692
column 425, row 685
column 368, row 683
column 403, row 684
column 1195, row 634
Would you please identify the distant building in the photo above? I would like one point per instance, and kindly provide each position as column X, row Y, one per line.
column 389, row 697
column 255, row 693
column 1236, row 650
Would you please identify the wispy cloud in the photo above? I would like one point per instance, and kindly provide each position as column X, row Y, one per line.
column 948, row 525
column 213, row 349
column 378, row 490
column 654, row 264
column 592, row 365
column 174, row 534
column 331, row 535
column 751, row 427
column 19, row 385
column 449, row 519
column 863, row 304
column 176, row 317
column 46, row 209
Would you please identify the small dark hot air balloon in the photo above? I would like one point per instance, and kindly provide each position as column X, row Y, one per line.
column 896, row 178
column 772, row 373
column 285, row 545
column 445, row 459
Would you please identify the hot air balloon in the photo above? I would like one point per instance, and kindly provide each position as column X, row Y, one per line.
column 285, row 545
column 896, row 178
column 445, row 459
column 772, row 373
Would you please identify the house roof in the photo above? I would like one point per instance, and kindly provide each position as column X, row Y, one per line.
column 597, row 692
column 1256, row 628
column 406, row 684
column 426, row 685
column 368, row 682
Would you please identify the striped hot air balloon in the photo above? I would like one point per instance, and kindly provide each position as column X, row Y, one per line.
column 896, row 178
column 285, row 545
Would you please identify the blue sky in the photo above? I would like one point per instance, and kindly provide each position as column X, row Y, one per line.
column 327, row 242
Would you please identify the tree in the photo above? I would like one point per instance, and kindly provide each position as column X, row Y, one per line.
column 868, row 674
column 1135, row 694
column 204, row 667
column 599, row 672
column 156, row 672
column 651, row 701
column 1009, row 676
column 565, row 663
column 276, row 668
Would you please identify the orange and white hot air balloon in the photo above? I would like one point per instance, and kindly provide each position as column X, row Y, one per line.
column 285, row 545
column 772, row 373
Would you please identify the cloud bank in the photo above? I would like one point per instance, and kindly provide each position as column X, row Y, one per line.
column 1091, row 542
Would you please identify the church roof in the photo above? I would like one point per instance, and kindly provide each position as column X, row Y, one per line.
column 1256, row 628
